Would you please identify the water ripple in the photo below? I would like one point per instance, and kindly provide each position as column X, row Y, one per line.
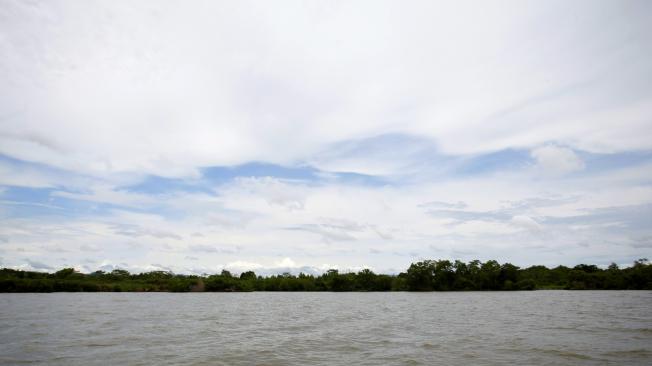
column 542, row 327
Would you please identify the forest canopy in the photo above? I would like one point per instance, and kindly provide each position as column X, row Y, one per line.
column 427, row 275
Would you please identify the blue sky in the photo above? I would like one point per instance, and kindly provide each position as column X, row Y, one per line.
column 197, row 137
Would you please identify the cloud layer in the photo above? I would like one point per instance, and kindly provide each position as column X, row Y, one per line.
column 201, row 136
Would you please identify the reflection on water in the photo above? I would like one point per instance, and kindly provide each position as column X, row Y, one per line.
column 481, row 328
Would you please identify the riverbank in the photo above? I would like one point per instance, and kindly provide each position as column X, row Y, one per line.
column 429, row 275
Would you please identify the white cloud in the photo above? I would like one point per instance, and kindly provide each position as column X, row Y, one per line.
column 555, row 160
column 103, row 94
column 492, row 226
column 526, row 222
column 165, row 88
column 240, row 266
column 286, row 262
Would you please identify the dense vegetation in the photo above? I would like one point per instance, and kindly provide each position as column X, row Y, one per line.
column 430, row 275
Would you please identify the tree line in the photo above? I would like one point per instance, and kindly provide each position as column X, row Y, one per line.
column 427, row 275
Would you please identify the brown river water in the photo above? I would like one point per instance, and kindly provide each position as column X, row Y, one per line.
column 262, row 328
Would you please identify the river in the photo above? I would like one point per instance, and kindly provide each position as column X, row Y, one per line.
column 262, row 328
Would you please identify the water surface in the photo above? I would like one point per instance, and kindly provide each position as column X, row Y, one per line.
column 259, row 328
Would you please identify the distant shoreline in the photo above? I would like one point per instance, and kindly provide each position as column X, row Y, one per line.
column 429, row 275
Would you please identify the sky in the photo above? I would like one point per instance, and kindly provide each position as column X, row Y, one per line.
column 301, row 136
